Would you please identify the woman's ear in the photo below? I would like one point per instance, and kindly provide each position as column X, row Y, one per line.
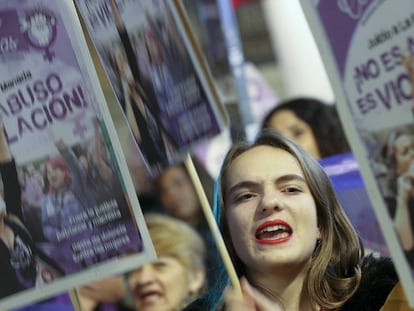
column 197, row 280
column 319, row 234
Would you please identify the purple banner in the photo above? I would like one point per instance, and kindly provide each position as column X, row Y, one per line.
column 156, row 74
column 11, row 38
column 65, row 207
column 368, row 50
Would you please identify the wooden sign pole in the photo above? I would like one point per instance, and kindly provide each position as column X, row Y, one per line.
column 212, row 223
column 75, row 299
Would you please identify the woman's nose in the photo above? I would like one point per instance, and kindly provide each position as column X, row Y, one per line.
column 143, row 275
column 271, row 199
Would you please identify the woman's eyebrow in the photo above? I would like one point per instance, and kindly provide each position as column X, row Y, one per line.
column 290, row 177
column 254, row 184
column 242, row 184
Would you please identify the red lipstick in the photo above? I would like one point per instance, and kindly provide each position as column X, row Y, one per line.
column 273, row 232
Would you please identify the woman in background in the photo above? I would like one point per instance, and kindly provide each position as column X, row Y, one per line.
column 179, row 199
column 18, row 267
column 67, row 193
column 175, row 279
column 141, row 106
column 399, row 155
column 178, row 275
column 18, row 253
column 311, row 123
column 178, row 195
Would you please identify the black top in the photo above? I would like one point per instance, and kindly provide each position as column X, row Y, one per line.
column 12, row 191
column 377, row 281
column 18, row 267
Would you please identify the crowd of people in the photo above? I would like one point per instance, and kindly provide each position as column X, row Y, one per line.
column 289, row 239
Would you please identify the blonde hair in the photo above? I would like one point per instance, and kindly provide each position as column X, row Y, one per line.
column 172, row 237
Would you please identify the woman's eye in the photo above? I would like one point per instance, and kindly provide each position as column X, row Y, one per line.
column 160, row 264
column 298, row 133
column 291, row 190
column 243, row 197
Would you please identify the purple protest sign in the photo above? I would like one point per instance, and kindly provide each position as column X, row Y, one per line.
column 11, row 38
column 157, row 76
column 67, row 197
column 368, row 50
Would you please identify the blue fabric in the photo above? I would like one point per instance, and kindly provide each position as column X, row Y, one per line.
column 60, row 302
column 47, row 306
column 216, row 201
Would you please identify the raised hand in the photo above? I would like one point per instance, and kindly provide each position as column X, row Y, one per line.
column 252, row 299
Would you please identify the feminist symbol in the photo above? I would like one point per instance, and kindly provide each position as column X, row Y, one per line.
column 39, row 28
column 354, row 8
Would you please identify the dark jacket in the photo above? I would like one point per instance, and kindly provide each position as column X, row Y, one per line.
column 378, row 279
column 18, row 268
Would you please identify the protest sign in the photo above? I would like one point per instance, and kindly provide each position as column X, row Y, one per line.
column 69, row 212
column 367, row 47
column 157, row 74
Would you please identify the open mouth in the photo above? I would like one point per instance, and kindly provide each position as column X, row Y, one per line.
column 149, row 297
column 273, row 232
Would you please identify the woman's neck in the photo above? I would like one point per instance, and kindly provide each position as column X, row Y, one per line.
column 284, row 285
